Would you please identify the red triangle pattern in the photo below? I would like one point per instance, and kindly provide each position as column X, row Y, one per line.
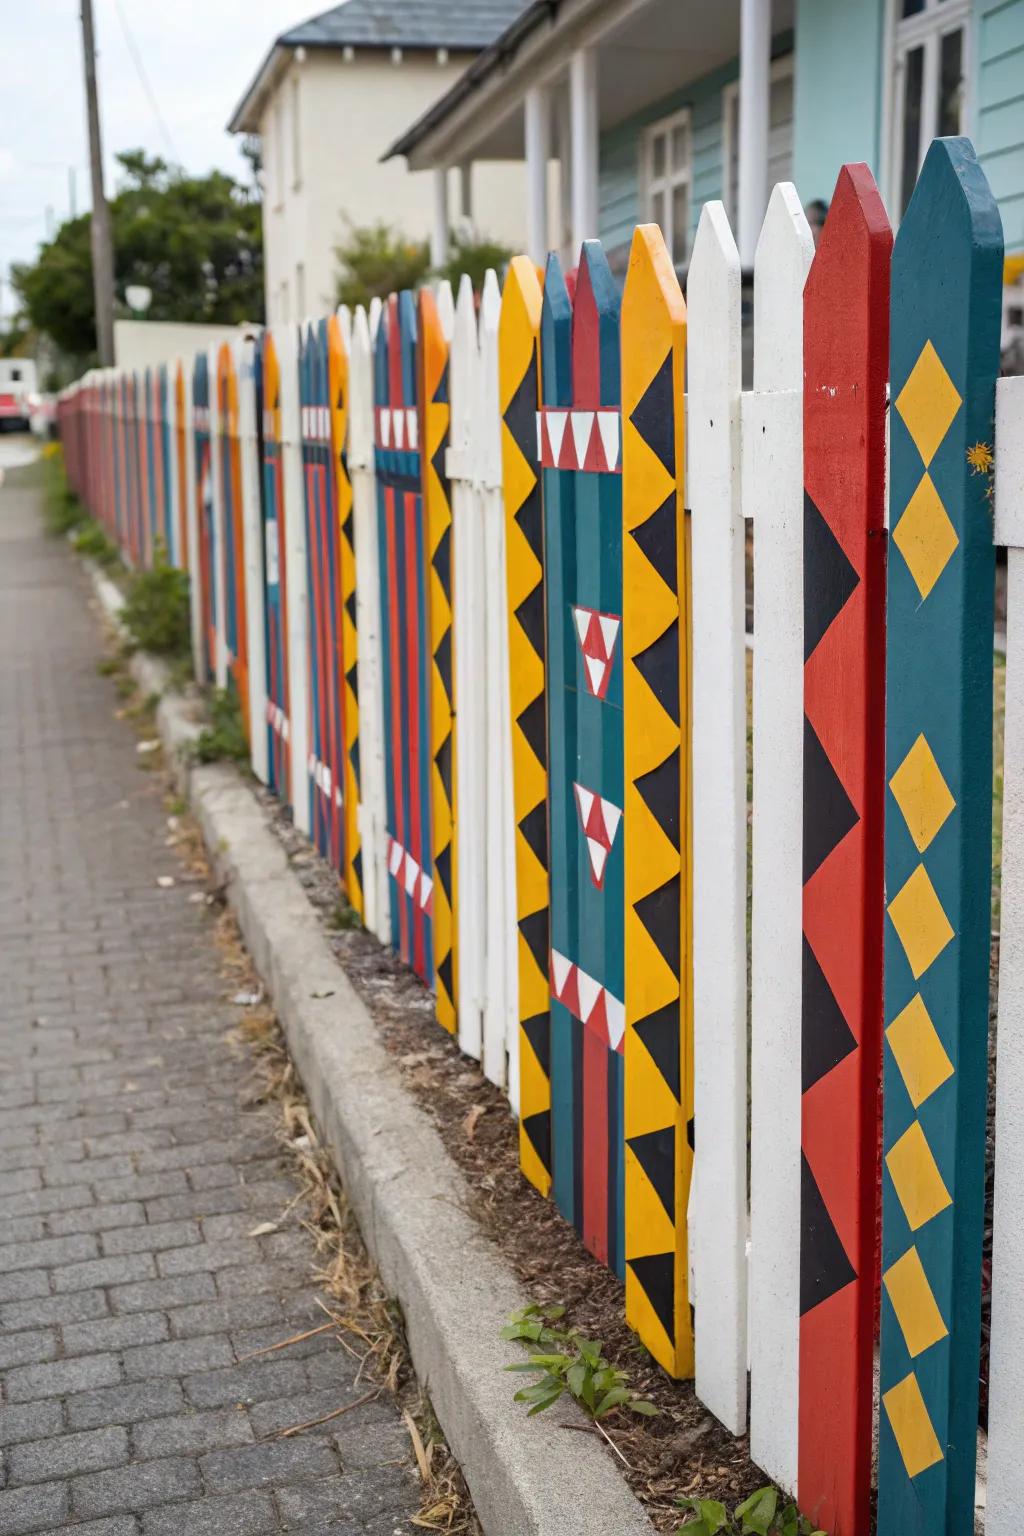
column 597, row 634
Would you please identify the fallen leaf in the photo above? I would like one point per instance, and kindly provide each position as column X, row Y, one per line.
column 148, row 746
column 165, row 882
column 247, row 999
column 469, row 1123
column 264, row 1229
column 329, row 993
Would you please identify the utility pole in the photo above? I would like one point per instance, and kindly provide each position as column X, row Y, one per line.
column 102, row 248
column 72, row 193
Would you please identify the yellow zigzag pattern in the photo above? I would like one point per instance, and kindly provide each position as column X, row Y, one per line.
column 337, row 363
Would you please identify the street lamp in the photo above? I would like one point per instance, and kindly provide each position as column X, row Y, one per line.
column 138, row 298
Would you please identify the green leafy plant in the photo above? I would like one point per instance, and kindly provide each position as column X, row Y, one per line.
column 473, row 257
column 156, row 613
column 375, row 260
column 565, row 1360
column 758, row 1515
column 223, row 740
column 343, row 917
column 92, row 542
column 63, row 512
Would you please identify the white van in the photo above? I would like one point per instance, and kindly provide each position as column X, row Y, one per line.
column 17, row 382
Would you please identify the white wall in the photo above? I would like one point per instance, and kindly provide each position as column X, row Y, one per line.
column 147, row 343
column 348, row 114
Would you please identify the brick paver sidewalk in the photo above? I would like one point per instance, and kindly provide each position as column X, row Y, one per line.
column 130, row 1176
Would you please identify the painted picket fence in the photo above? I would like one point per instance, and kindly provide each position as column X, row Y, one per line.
column 476, row 569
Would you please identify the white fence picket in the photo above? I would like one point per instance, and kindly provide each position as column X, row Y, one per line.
column 772, row 470
column 377, row 915
column 1006, row 1360
column 469, row 581
column 218, row 429
column 718, row 1199
column 251, row 555
column 286, row 338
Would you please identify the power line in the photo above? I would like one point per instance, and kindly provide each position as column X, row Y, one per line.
column 140, row 70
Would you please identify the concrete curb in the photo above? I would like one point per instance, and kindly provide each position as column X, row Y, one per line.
column 527, row 1477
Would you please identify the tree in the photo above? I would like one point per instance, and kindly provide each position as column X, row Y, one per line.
column 375, row 260
column 195, row 241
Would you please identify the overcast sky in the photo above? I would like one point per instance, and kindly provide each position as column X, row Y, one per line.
column 198, row 55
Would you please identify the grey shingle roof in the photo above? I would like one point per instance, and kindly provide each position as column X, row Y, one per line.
column 468, row 24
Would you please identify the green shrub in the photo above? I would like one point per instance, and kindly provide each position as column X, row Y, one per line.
column 63, row 511
column 473, row 257
column 156, row 612
column 91, row 541
column 376, row 260
column 223, row 740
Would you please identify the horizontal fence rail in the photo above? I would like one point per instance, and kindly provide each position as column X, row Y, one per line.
column 474, row 567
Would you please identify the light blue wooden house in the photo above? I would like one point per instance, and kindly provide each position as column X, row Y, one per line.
column 628, row 110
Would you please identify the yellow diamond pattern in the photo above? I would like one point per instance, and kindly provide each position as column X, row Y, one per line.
column 916, row 1309
column 918, row 918
column 916, row 1177
column 911, row 1425
column 919, row 1052
column 928, row 402
column 925, row 537
column 921, row 793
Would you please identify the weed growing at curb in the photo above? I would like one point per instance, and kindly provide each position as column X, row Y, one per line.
column 342, row 917
column 760, row 1515
column 156, row 611
column 63, row 512
column 92, row 542
column 223, row 740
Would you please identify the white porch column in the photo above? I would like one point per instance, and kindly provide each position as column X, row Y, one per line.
column 583, row 112
column 466, row 191
column 537, row 133
column 755, row 84
column 439, row 229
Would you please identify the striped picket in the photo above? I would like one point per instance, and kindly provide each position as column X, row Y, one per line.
column 718, row 1198
column 247, row 364
column 1006, row 1360
column 296, row 578
column 945, row 356
column 204, row 571
column 275, row 519
column 658, row 1046
column 846, row 345
column 228, row 469
column 772, row 472
column 347, row 631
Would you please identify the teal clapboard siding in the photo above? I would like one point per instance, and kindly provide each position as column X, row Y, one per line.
column 838, row 102
column 999, row 110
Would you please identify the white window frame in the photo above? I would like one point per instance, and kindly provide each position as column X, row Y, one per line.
column 781, row 67
column 672, row 179
column 925, row 30
column 296, row 134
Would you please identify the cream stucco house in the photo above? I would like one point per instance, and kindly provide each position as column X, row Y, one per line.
column 330, row 97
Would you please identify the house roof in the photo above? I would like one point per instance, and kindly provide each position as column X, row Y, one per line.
column 463, row 26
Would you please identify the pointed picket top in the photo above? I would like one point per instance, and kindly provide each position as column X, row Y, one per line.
column 556, row 337
column 521, row 303
column 489, row 419
column 360, row 421
column 785, row 250
column 595, row 331
column 375, row 311
column 344, row 314
column 445, row 308
column 463, row 368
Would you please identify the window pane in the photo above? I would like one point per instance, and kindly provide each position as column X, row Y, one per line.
column 913, row 75
column 734, row 154
column 657, row 211
column 658, row 156
column 680, row 223
column 950, row 83
column 912, row 7
column 680, row 147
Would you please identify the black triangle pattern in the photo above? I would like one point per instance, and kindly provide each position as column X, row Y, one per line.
column 829, row 578
column 824, row 1266
column 656, row 1274
column 654, row 416
column 534, row 726
column 660, row 1032
column 829, row 813
column 357, row 866
column 439, row 466
column 659, row 790
column 350, row 607
column 354, row 758
column 443, row 759
column 443, row 867
column 530, row 521
column 443, row 562
column 521, row 416
column 530, row 615
column 659, row 912
column 827, row 1038
column 656, row 1153
column 538, row 1132
column 444, row 974
column 538, row 1031
column 535, row 930
column 534, row 827
column 657, row 539
column 441, row 392
column 658, row 665
column 443, row 661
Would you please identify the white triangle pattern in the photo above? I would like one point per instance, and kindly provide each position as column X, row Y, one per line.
column 608, row 426
column 582, row 426
column 556, row 431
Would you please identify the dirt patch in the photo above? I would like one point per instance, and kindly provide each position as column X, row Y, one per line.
column 682, row 1451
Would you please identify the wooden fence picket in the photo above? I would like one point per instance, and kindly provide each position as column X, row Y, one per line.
column 275, row 519
column 204, row 571
column 372, row 807
column 247, row 364
column 772, row 469
column 718, row 1197
column 470, row 672
column 519, row 381
column 579, row 430
column 228, row 471
column 218, row 523
column 657, row 1123
column 846, row 359
column 296, row 580
column 1006, row 1340
column 946, row 301
column 181, row 472
column 347, row 633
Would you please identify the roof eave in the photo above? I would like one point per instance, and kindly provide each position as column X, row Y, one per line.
column 246, row 116
column 486, row 63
